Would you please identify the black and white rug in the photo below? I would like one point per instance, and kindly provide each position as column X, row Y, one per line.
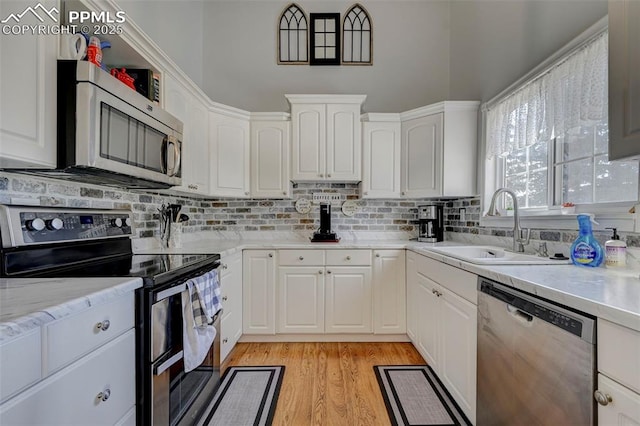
column 414, row 395
column 246, row 396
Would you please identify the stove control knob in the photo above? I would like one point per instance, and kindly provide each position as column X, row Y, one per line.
column 116, row 222
column 55, row 224
column 127, row 221
column 36, row 224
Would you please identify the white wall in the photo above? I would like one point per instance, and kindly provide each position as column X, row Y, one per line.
column 410, row 56
column 495, row 42
column 176, row 26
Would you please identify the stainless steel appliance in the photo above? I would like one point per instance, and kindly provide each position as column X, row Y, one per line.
column 109, row 133
column 536, row 360
column 50, row 242
column 324, row 234
column 430, row 223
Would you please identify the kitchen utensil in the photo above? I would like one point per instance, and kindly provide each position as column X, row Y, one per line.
column 183, row 218
column 175, row 210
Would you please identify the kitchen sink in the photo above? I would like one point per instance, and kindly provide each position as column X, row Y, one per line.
column 488, row 255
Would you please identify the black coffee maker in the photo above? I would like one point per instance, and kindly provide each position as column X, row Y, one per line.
column 430, row 223
column 324, row 233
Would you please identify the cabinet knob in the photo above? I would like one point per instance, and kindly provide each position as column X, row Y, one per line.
column 225, row 340
column 104, row 395
column 103, row 325
column 602, row 398
column 328, row 272
column 270, row 254
column 329, row 175
column 403, row 193
column 320, row 272
column 225, row 298
column 246, row 193
column 348, row 257
column 301, row 258
column 366, row 192
column 284, row 192
column 377, row 254
column 320, row 175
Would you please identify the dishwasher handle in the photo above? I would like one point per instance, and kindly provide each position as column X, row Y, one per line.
column 519, row 314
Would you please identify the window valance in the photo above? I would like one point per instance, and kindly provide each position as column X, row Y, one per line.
column 571, row 94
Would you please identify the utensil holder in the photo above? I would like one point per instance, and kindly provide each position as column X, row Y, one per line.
column 175, row 235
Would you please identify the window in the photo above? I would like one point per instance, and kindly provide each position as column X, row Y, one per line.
column 292, row 36
column 548, row 138
column 325, row 39
column 356, row 37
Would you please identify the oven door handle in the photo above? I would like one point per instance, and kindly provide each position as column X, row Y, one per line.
column 170, row 292
column 167, row 364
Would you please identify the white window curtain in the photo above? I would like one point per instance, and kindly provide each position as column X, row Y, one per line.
column 573, row 93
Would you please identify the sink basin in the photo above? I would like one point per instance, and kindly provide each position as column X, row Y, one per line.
column 487, row 255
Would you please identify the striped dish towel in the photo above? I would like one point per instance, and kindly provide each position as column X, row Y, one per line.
column 205, row 297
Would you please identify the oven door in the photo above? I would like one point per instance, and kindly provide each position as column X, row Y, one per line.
column 173, row 391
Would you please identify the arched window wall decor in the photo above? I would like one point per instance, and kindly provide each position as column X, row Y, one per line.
column 357, row 37
column 292, row 36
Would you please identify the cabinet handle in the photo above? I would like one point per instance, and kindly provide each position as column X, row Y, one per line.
column 270, row 254
column 348, row 257
column 301, row 258
column 328, row 272
column 225, row 266
column 602, row 398
column 103, row 325
column 320, row 272
column 225, row 340
column 225, row 298
column 104, row 395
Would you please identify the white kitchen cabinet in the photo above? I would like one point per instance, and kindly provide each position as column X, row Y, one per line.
column 412, row 284
column 624, row 79
column 270, row 146
column 439, row 150
column 619, row 374
column 89, row 379
column 258, row 292
column 446, row 326
column 381, row 135
column 180, row 102
column 28, row 83
column 301, row 299
column 326, row 137
column 389, row 292
column 231, row 292
column 348, row 299
column 229, row 155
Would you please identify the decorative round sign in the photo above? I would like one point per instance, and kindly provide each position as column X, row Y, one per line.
column 303, row 206
column 349, row 208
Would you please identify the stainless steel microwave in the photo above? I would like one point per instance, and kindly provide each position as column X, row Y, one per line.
column 108, row 134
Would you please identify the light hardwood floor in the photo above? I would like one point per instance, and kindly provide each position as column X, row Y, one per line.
column 327, row 383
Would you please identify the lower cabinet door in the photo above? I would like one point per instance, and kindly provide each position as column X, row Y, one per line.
column 348, row 306
column 98, row 389
column 458, row 342
column 428, row 309
column 623, row 407
column 301, row 299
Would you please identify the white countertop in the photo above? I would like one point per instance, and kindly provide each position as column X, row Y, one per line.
column 605, row 293
column 27, row 303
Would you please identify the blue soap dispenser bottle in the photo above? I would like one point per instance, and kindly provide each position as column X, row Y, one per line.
column 585, row 250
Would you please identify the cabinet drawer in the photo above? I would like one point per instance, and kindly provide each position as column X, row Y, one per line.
column 301, row 257
column 70, row 397
column 24, row 356
column 230, row 332
column 461, row 282
column 90, row 329
column 619, row 353
column 348, row 257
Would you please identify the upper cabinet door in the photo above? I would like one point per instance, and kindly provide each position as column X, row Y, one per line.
column 195, row 138
column 28, row 102
column 380, row 160
column 624, row 79
column 422, row 156
column 308, row 124
column 229, row 156
column 270, row 159
column 343, row 142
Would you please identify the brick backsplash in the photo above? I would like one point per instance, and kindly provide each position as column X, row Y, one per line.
column 266, row 215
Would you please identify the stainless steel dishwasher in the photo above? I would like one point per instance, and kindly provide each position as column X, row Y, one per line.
column 536, row 360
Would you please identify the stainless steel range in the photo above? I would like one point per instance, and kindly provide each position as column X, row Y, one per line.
column 50, row 242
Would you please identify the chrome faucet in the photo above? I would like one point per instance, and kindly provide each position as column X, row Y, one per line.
column 518, row 241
